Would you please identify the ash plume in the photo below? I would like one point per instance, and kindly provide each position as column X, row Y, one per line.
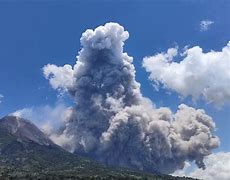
column 112, row 122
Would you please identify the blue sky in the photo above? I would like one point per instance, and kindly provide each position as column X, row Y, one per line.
column 35, row 33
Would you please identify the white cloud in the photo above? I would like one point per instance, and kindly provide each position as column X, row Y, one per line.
column 198, row 74
column 63, row 76
column 217, row 167
column 205, row 25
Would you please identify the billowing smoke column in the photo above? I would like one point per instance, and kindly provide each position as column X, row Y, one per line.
column 113, row 123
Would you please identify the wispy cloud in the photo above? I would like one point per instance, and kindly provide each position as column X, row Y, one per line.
column 205, row 25
column 1, row 97
column 47, row 118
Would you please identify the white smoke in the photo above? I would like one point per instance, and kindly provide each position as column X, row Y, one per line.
column 198, row 74
column 113, row 123
column 48, row 118
column 218, row 167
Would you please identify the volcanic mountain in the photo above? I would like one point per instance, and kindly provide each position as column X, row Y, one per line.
column 26, row 152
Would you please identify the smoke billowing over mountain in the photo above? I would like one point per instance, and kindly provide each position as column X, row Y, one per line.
column 112, row 121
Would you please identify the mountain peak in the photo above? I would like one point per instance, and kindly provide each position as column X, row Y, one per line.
column 24, row 129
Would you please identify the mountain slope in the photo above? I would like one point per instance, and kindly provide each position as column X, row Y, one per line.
column 25, row 152
column 24, row 129
column 23, row 146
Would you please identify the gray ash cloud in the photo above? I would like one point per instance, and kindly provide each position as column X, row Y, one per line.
column 112, row 122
